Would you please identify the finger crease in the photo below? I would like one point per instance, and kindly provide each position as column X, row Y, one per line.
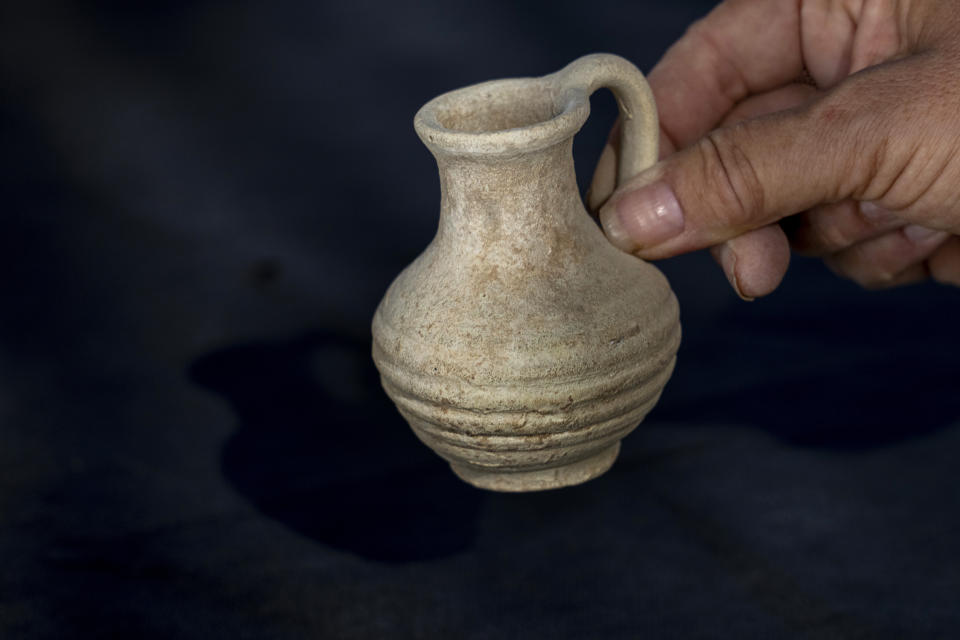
column 934, row 179
column 748, row 205
column 900, row 173
column 736, row 87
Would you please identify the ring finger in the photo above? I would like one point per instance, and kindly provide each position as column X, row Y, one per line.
column 831, row 228
column 889, row 260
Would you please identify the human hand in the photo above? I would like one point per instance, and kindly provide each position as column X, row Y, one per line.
column 869, row 158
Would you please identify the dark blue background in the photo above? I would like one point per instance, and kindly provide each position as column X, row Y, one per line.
column 202, row 204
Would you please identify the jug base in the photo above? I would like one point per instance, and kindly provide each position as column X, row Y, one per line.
column 540, row 479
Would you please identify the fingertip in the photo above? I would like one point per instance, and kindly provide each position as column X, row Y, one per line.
column 727, row 259
column 643, row 215
column 614, row 229
column 755, row 262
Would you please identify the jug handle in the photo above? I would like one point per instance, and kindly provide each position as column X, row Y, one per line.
column 639, row 126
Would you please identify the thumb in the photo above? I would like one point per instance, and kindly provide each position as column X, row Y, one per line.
column 749, row 175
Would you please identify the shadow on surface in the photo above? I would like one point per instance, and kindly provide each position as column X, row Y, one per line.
column 321, row 449
column 846, row 409
column 856, row 370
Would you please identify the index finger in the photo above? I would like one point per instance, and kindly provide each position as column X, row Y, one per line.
column 740, row 48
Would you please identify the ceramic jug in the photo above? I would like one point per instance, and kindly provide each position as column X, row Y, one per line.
column 521, row 346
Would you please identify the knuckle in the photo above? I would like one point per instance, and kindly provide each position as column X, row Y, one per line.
column 828, row 237
column 866, row 277
column 944, row 265
column 877, row 279
column 874, row 270
column 868, row 272
column 834, row 227
column 869, row 217
column 858, row 136
column 732, row 180
column 941, row 275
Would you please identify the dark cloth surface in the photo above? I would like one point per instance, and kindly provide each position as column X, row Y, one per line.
column 202, row 205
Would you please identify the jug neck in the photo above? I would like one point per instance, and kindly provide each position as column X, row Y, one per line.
column 518, row 202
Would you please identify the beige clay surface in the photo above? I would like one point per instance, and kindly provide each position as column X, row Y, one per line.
column 521, row 345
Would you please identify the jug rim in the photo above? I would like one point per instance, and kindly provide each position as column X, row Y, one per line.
column 569, row 109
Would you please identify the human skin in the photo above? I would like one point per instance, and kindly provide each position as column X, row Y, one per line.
column 863, row 168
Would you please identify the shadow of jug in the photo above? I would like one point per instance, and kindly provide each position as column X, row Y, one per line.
column 321, row 449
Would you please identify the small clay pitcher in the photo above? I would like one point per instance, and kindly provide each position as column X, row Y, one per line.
column 521, row 345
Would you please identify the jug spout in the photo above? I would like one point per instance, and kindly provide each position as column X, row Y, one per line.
column 504, row 118
column 501, row 118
